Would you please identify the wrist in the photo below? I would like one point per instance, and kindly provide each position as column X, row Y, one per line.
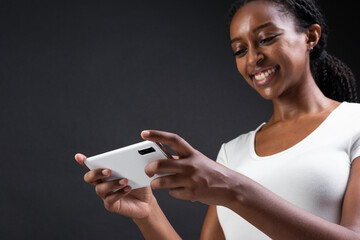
column 153, row 206
column 236, row 190
column 155, row 225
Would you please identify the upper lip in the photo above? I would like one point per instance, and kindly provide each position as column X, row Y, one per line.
column 260, row 70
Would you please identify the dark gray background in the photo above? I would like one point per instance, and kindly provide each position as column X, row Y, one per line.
column 88, row 76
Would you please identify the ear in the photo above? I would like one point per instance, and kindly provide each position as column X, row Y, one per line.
column 313, row 34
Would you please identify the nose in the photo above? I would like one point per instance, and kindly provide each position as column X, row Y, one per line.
column 254, row 57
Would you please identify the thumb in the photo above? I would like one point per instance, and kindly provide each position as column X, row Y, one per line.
column 80, row 158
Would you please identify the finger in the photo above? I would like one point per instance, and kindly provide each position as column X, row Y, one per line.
column 111, row 199
column 181, row 193
column 107, row 188
column 80, row 158
column 96, row 176
column 175, row 142
column 163, row 166
column 171, row 181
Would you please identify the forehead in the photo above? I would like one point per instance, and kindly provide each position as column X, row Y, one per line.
column 256, row 13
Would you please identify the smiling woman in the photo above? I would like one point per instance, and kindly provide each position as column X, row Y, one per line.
column 279, row 37
column 295, row 176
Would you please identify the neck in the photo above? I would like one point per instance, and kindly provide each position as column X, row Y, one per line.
column 306, row 98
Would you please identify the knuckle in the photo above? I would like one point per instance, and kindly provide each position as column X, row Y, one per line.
column 154, row 184
column 157, row 164
column 172, row 193
column 191, row 165
column 160, row 164
column 151, row 168
column 88, row 177
column 148, row 169
column 107, row 206
column 175, row 138
column 148, row 166
column 158, row 183
column 85, row 178
column 191, row 168
column 161, row 182
column 192, row 180
column 98, row 190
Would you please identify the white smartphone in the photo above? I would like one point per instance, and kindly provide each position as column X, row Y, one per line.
column 129, row 162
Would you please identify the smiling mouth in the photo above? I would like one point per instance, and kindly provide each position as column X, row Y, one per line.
column 264, row 77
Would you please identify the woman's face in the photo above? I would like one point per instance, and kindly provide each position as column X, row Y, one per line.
column 270, row 54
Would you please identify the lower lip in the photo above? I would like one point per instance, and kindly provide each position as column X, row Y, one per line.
column 266, row 80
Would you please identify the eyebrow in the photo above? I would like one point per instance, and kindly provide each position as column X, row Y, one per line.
column 263, row 26
column 255, row 30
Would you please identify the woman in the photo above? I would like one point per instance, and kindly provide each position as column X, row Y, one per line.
column 294, row 177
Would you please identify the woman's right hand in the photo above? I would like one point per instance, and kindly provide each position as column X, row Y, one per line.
column 125, row 201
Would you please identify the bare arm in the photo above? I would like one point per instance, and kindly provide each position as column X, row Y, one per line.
column 139, row 204
column 351, row 208
column 211, row 229
column 201, row 179
column 280, row 219
column 156, row 226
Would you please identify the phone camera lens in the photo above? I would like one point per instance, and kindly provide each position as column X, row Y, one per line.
column 146, row 151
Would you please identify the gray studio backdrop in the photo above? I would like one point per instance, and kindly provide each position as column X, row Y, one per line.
column 88, row 76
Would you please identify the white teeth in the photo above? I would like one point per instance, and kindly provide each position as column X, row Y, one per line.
column 263, row 75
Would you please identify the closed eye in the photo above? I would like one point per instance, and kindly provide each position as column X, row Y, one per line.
column 239, row 53
column 267, row 40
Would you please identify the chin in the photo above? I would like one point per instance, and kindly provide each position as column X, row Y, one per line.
column 268, row 94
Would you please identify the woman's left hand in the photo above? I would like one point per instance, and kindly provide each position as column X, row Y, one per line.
column 195, row 178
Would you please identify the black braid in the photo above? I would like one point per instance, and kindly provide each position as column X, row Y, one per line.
column 335, row 88
column 332, row 76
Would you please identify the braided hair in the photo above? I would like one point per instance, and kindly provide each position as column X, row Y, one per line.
column 332, row 76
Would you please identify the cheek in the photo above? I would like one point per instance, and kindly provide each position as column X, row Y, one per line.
column 283, row 56
column 292, row 52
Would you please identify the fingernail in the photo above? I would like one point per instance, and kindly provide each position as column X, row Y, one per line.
column 122, row 182
column 127, row 189
column 145, row 133
column 105, row 172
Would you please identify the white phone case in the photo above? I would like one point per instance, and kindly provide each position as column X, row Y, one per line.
column 129, row 162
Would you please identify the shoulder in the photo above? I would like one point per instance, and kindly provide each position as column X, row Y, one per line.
column 240, row 140
column 352, row 109
column 348, row 116
column 240, row 143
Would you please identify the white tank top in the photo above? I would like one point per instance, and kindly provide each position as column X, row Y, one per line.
column 312, row 174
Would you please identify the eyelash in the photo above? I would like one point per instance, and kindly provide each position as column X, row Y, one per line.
column 238, row 52
column 264, row 41
column 268, row 39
